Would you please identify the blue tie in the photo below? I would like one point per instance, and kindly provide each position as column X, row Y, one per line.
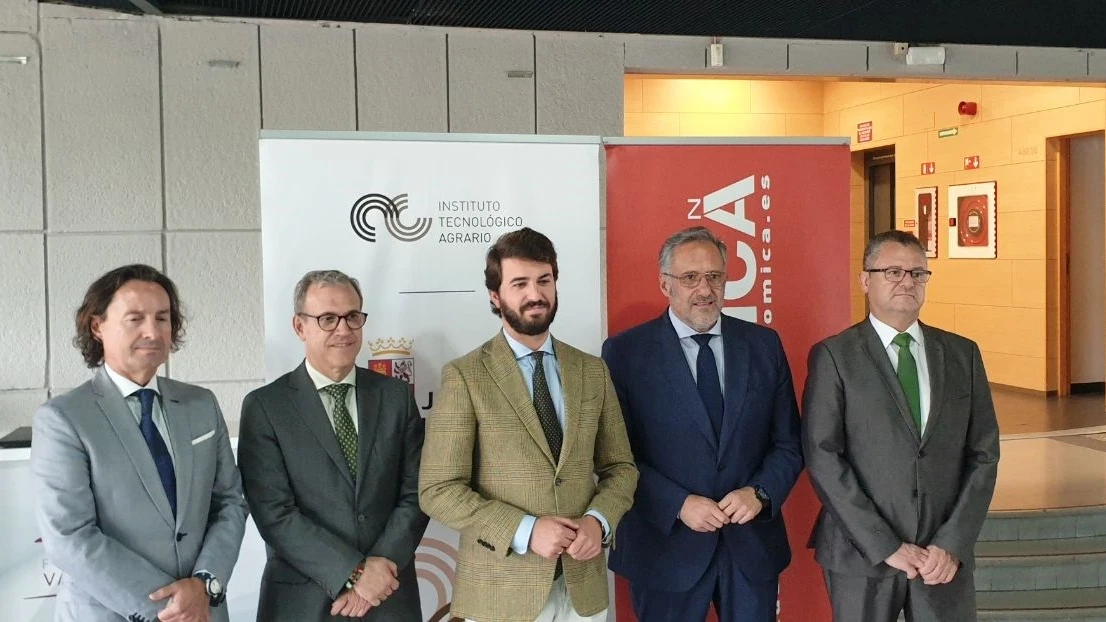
column 158, row 450
column 710, row 389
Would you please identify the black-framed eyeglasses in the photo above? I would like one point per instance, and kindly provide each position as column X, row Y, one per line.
column 692, row 279
column 896, row 274
column 329, row 321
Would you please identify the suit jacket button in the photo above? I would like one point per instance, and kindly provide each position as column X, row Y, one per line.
column 921, row 453
column 914, row 493
column 721, row 468
column 557, row 482
column 360, row 518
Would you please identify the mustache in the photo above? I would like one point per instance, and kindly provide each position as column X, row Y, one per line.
column 534, row 305
column 699, row 299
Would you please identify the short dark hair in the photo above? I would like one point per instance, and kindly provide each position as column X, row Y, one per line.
column 525, row 244
column 905, row 238
column 100, row 295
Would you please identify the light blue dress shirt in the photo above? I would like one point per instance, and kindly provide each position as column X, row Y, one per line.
column 691, row 347
column 521, row 542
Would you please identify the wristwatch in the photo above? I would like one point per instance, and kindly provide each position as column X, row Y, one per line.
column 355, row 576
column 215, row 593
column 762, row 496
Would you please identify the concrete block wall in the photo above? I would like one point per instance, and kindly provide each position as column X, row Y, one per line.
column 134, row 138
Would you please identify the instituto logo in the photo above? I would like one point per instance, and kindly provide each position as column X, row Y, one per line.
column 392, row 210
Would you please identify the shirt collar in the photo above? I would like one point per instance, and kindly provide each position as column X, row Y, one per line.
column 522, row 351
column 127, row 386
column 322, row 381
column 887, row 333
column 683, row 330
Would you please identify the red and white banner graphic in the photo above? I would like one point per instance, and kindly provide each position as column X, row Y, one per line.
column 783, row 210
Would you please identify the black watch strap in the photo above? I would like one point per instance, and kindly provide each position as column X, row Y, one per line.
column 216, row 593
column 762, row 496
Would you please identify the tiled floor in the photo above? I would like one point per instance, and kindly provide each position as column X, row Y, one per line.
column 1023, row 413
column 1053, row 451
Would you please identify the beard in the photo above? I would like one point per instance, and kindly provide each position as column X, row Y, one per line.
column 524, row 326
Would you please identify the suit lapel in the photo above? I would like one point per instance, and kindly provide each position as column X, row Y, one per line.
column 500, row 362
column 178, row 416
column 308, row 406
column 735, row 351
column 935, row 362
column 678, row 374
column 572, row 381
column 121, row 418
column 873, row 347
column 370, row 403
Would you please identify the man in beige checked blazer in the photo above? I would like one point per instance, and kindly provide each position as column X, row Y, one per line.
column 526, row 455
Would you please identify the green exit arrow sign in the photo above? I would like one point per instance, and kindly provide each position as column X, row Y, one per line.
column 948, row 131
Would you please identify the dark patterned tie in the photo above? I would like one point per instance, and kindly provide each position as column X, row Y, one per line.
column 160, row 453
column 706, row 380
column 547, row 414
column 343, row 424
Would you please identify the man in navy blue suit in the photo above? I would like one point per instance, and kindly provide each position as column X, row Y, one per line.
column 713, row 423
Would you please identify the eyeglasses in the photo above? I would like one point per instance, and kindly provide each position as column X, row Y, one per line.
column 692, row 279
column 329, row 321
column 895, row 275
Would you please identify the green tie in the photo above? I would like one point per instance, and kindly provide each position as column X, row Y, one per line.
column 343, row 424
column 908, row 377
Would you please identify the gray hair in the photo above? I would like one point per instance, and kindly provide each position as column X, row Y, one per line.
column 323, row 278
column 687, row 236
column 874, row 245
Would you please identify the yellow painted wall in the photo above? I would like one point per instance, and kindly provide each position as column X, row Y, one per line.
column 999, row 303
column 722, row 107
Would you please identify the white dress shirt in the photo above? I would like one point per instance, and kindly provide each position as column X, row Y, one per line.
column 322, row 381
column 918, row 349
column 127, row 387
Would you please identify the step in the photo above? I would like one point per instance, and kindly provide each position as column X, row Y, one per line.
column 1052, row 572
column 1025, row 548
column 1083, row 601
column 1041, row 564
column 1045, row 524
column 1095, row 614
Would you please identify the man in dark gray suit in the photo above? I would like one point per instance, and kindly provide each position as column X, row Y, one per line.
column 329, row 454
column 139, row 502
column 902, row 446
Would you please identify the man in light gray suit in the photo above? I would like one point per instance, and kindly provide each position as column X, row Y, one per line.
column 902, row 446
column 330, row 463
column 139, row 501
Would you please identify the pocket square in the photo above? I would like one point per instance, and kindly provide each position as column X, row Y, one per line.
column 200, row 439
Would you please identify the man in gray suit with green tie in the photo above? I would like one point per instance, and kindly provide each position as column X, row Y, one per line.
column 139, row 501
column 902, row 445
column 330, row 463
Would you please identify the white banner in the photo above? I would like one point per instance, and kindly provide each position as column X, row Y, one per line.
column 412, row 220
column 28, row 581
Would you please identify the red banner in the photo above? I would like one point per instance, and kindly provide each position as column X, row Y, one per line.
column 783, row 211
